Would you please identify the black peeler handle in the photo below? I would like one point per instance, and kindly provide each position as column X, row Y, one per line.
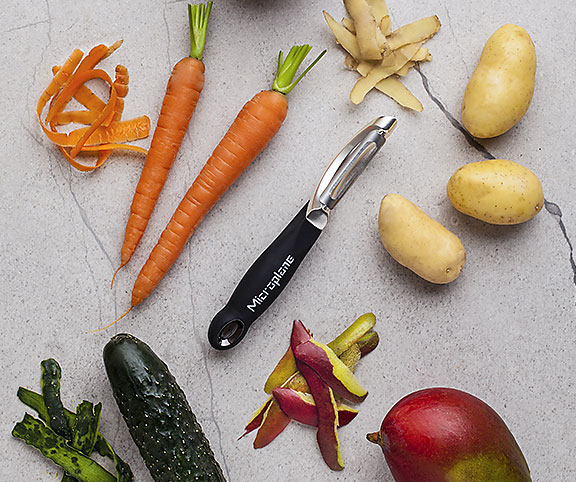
column 263, row 282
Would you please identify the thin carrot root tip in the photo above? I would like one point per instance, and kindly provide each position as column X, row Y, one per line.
column 114, row 276
column 113, row 323
column 284, row 81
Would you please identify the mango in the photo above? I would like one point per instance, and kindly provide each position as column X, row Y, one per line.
column 446, row 435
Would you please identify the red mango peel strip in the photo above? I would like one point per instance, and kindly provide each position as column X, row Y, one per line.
column 327, row 435
column 258, row 418
column 286, row 367
column 274, row 423
column 105, row 131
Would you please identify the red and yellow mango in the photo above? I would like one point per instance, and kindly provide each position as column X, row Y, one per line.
column 446, row 435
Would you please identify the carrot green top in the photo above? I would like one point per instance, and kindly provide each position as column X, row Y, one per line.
column 198, row 16
column 283, row 82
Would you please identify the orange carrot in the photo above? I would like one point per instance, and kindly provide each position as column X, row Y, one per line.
column 184, row 88
column 253, row 128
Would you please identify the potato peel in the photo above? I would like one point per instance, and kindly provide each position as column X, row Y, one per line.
column 395, row 89
column 388, row 67
column 366, row 29
column 414, row 32
column 369, row 25
column 343, row 36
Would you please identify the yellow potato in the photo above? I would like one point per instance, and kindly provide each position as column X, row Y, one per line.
column 500, row 89
column 496, row 191
column 418, row 242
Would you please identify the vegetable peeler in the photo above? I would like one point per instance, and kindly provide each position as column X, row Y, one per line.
column 272, row 271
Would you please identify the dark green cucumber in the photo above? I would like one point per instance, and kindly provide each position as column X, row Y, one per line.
column 158, row 415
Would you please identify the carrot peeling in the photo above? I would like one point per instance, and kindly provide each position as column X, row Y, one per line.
column 105, row 130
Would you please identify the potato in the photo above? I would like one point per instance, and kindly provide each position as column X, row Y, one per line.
column 496, row 191
column 501, row 87
column 418, row 242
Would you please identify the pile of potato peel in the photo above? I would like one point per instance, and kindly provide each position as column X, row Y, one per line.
column 381, row 56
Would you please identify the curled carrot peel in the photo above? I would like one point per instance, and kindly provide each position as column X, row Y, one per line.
column 105, row 130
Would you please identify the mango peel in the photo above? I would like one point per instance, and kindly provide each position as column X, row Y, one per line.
column 286, row 367
column 273, row 423
column 355, row 342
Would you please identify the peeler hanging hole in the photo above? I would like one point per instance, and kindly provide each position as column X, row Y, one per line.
column 231, row 333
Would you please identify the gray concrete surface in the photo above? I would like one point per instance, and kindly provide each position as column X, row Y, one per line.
column 504, row 331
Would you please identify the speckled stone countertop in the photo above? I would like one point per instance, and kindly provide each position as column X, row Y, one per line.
column 504, row 331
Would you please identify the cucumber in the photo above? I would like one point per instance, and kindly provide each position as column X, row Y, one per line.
column 158, row 415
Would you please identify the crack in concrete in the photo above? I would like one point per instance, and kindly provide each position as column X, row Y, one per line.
column 93, row 276
column 40, row 62
column 48, row 44
column 28, row 25
column 555, row 211
column 206, row 369
column 167, row 34
column 551, row 208
column 473, row 142
column 86, row 222
column 49, row 155
column 447, row 10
